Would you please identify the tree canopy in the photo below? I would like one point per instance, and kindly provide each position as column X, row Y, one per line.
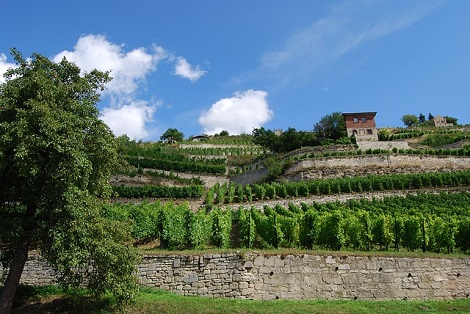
column 332, row 126
column 172, row 135
column 56, row 157
column 284, row 142
column 410, row 120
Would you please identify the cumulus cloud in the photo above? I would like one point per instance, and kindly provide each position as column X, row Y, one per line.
column 129, row 119
column 238, row 114
column 184, row 69
column 124, row 113
column 128, row 69
column 4, row 66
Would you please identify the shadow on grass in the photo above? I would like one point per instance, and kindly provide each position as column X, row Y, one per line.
column 52, row 299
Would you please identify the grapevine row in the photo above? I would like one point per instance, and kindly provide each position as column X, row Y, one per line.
column 153, row 191
column 185, row 166
column 439, row 223
column 231, row 193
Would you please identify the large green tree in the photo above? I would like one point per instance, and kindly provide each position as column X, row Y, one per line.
column 172, row 135
column 331, row 126
column 56, row 157
column 410, row 120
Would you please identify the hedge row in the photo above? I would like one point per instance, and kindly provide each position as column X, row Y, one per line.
column 222, row 151
column 153, row 191
column 432, row 152
column 186, row 166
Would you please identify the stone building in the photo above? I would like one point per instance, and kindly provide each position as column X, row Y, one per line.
column 361, row 125
column 440, row 121
column 200, row 138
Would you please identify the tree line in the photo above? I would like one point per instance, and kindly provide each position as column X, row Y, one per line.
column 329, row 130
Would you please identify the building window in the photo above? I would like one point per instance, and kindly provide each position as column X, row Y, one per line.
column 356, row 119
column 363, row 120
column 369, row 131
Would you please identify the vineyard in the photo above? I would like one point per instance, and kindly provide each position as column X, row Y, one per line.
column 226, row 217
column 427, row 222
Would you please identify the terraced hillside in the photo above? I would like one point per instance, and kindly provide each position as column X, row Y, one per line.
column 230, row 192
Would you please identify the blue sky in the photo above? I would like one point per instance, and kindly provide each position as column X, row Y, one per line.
column 207, row 66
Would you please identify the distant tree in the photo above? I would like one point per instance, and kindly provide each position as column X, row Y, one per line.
column 172, row 136
column 286, row 141
column 266, row 138
column 451, row 120
column 410, row 120
column 421, row 118
column 331, row 126
column 430, row 117
column 56, row 160
column 224, row 133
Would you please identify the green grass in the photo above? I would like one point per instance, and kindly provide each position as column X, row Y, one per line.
column 53, row 300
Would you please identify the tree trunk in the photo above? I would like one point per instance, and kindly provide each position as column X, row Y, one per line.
column 14, row 274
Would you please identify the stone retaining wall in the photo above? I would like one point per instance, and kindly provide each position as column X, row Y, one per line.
column 321, row 168
column 304, row 276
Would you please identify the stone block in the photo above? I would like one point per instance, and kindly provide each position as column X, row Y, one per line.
column 243, row 285
column 269, row 262
column 236, row 277
column 330, row 260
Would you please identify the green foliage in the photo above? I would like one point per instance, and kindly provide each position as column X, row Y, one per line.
column 331, row 126
column 382, row 232
column 231, row 192
column 221, row 227
column 308, row 229
column 358, row 184
column 331, row 230
column 411, row 233
column 153, row 191
column 249, row 193
column 199, row 229
column 274, row 167
column 286, row 141
column 260, row 191
column 56, row 157
column 247, row 227
column 271, row 191
column 451, row 120
column 442, row 234
column 429, row 222
column 438, row 139
column 410, row 120
column 358, row 230
column 462, row 234
column 173, row 226
column 183, row 165
column 172, row 135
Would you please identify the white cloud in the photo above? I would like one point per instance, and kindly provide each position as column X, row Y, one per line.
column 129, row 119
column 128, row 69
column 241, row 113
column 4, row 66
column 184, row 69
column 123, row 112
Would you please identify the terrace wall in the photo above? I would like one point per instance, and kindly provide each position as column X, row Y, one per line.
column 304, row 276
